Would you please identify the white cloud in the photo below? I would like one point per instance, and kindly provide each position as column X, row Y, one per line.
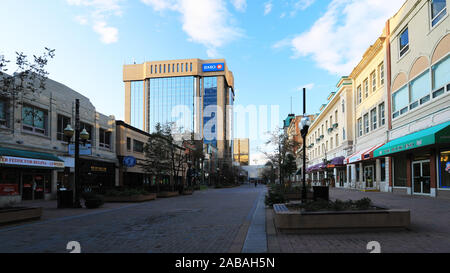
column 239, row 5
column 100, row 11
column 301, row 5
column 268, row 7
column 207, row 22
column 338, row 39
column 108, row 35
column 308, row 86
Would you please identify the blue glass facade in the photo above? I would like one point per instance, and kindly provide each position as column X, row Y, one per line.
column 210, row 111
column 169, row 96
column 137, row 104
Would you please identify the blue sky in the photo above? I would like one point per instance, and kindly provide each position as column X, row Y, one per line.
column 273, row 47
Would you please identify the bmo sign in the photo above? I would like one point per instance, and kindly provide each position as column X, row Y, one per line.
column 213, row 67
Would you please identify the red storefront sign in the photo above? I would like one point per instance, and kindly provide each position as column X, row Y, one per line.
column 9, row 189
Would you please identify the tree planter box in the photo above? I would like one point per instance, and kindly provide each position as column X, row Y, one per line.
column 296, row 221
column 166, row 194
column 188, row 192
column 19, row 214
column 130, row 199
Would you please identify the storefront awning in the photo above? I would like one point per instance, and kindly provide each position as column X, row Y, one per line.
column 336, row 162
column 362, row 155
column 434, row 135
column 13, row 157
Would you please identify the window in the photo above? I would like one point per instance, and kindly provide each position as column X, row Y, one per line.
column 404, row 42
column 419, row 88
column 151, row 69
column 343, row 134
column 343, row 106
column 373, row 117
column 373, row 76
column 160, row 71
column 381, row 73
column 3, row 113
column 336, row 116
column 164, row 68
column 178, row 67
column 438, row 11
column 441, row 76
column 383, row 169
column 337, row 140
column 191, row 67
column 366, row 124
column 444, row 166
column 105, row 138
column 34, row 120
column 359, row 94
column 173, row 68
column 62, row 124
column 168, row 68
column 360, row 132
column 400, row 101
column 88, row 128
column 366, row 88
column 138, row 146
column 381, row 114
column 128, row 144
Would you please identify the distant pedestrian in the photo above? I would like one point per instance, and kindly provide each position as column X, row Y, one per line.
column 256, row 184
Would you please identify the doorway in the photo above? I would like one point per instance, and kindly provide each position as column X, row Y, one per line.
column 421, row 177
column 369, row 176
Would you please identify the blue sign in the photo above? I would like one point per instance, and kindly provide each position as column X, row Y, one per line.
column 213, row 67
column 84, row 149
column 129, row 161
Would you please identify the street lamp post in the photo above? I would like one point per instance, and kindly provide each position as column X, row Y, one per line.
column 304, row 127
column 84, row 136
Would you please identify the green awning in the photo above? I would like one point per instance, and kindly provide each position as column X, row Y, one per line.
column 21, row 158
column 434, row 135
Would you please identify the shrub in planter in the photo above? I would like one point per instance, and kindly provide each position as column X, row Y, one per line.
column 126, row 193
column 274, row 198
column 92, row 200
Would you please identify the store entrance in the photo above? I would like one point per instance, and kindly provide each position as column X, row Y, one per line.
column 421, row 177
column 369, row 176
column 34, row 186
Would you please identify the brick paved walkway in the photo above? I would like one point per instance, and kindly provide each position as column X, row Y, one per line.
column 429, row 231
column 206, row 222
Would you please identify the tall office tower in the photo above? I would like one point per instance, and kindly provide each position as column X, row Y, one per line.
column 241, row 151
column 194, row 95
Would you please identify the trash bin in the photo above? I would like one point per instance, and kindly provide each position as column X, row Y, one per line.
column 321, row 192
column 65, row 198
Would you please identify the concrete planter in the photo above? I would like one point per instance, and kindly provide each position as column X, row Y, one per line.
column 298, row 196
column 19, row 214
column 188, row 192
column 166, row 194
column 130, row 199
column 296, row 221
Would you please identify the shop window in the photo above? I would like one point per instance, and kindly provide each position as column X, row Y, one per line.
column 3, row 113
column 438, row 11
column 88, row 128
column 9, row 182
column 399, row 171
column 63, row 121
column 383, row 169
column 404, row 42
column 34, row 120
column 445, row 169
column 138, row 146
column 441, row 76
column 105, row 139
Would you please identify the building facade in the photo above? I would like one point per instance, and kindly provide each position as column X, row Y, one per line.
column 330, row 137
column 370, row 120
column 419, row 92
column 241, row 150
column 195, row 95
column 35, row 157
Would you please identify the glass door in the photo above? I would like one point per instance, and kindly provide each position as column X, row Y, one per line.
column 369, row 176
column 421, row 177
